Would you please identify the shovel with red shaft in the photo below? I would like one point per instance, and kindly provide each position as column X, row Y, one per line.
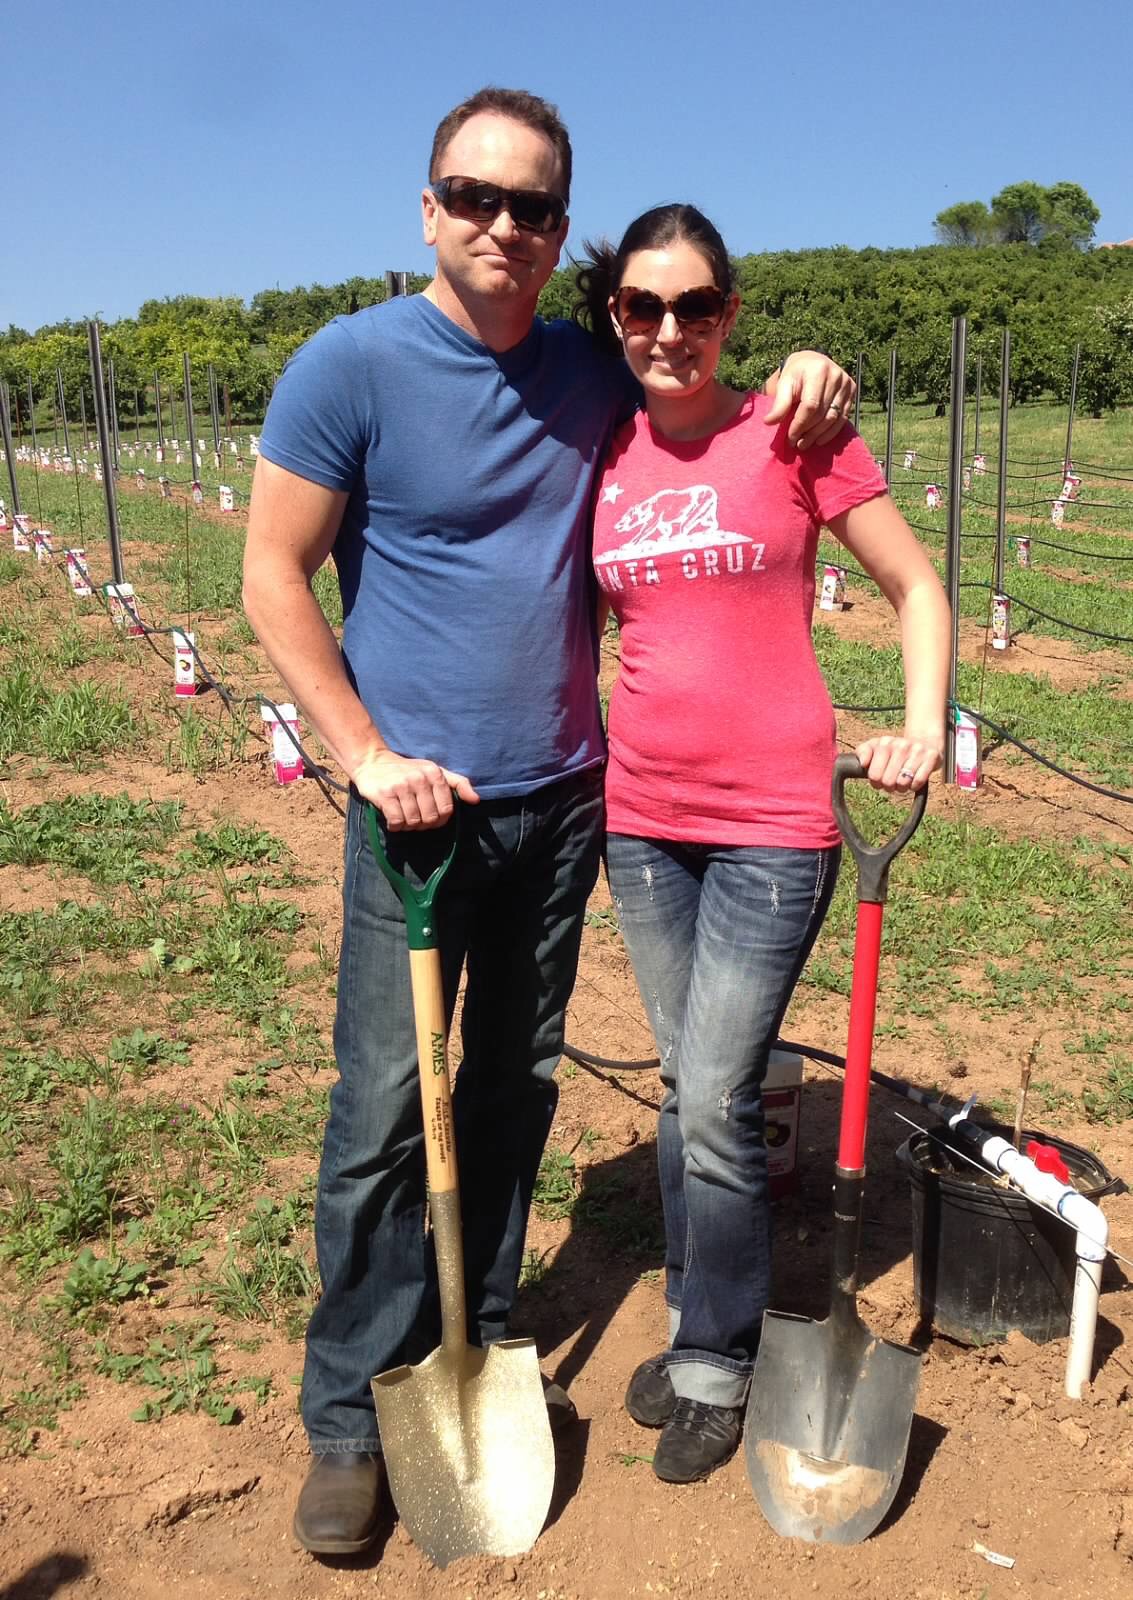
column 831, row 1404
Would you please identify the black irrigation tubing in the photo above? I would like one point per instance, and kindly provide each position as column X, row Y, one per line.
column 1053, row 469
column 129, row 474
column 909, row 1091
column 1050, row 500
column 1028, row 750
column 230, row 701
column 852, row 572
column 1084, row 783
column 1074, row 627
column 583, row 1058
column 990, row 472
column 1069, row 549
column 838, row 707
column 1107, row 470
column 184, row 483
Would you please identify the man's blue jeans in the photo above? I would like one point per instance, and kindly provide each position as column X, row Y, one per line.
column 512, row 904
column 718, row 936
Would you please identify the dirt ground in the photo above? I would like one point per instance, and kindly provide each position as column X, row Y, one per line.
column 999, row 1460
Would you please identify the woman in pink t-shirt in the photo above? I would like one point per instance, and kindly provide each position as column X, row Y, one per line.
column 722, row 848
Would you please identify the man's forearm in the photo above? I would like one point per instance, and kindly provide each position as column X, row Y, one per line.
column 301, row 646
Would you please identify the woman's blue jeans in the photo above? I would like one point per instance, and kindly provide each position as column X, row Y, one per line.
column 512, row 905
column 718, row 936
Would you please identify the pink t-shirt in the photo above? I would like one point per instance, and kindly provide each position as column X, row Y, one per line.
column 721, row 729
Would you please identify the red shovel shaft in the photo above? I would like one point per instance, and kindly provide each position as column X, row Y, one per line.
column 859, row 1047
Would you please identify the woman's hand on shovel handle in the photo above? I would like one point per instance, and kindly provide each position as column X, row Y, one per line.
column 411, row 793
column 900, row 762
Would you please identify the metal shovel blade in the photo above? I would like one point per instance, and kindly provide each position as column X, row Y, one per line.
column 828, row 1425
column 468, row 1449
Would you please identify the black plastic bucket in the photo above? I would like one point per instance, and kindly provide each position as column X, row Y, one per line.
column 986, row 1260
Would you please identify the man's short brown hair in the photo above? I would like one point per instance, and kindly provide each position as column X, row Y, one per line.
column 520, row 106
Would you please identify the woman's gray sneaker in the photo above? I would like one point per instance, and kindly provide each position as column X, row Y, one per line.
column 649, row 1396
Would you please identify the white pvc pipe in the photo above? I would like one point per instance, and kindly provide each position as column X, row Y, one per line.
column 1091, row 1239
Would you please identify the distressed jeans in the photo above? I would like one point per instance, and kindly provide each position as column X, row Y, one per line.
column 718, row 936
column 512, row 906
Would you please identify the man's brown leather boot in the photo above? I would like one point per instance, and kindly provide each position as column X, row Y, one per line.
column 340, row 1504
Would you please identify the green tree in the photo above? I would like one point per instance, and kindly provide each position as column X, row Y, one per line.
column 968, row 222
column 1019, row 213
column 1070, row 215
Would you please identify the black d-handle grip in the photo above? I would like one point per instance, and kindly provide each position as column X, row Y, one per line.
column 873, row 860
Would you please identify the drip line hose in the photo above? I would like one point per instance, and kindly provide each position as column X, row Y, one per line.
column 330, row 786
column 1051, row 500
column 1068, row 549
column 1083, row 783
column 1074, row 627
column 230, row 700
column 829, row 1058
column 988, row 588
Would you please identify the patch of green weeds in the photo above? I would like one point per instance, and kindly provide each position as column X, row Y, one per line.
column 263, row 1278
column 28, row 993
column 251, row 1083
column 71, row 647
column 110, row 1160
column 328, row 594
column 610, row 1207
column 64, row 724
column 30, row 1079
column 204, row 744
column 299, row 1040
column 533, row 1268
column 556, row 1187
column 1051, row 1096
column 107, row 838
column 95, row 1283
column 27, row 1413
column 229, row 845
column 142, row 1048
column 180, row 1371
column 32, row 942
column 1112, row 1100
column 244, row 967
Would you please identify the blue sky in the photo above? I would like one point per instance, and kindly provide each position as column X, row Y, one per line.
column 223, row 148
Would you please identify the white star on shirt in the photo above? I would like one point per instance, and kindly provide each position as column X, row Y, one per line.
column 610, row 495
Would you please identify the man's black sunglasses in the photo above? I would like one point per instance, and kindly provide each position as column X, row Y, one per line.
column 474, row 201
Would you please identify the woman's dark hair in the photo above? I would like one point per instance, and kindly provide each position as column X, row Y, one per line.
column 601, row 274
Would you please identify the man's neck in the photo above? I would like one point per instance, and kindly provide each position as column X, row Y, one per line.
column 499, row 326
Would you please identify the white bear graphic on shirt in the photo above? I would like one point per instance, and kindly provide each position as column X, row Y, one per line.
column 671, row 519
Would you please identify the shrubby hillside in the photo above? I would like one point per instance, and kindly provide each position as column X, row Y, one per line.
column 840, row 300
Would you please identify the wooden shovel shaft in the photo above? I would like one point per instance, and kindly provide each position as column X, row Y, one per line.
column 440, row 1141
column 432, row 1067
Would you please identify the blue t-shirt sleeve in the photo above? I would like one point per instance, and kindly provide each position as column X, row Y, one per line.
column 315, row 426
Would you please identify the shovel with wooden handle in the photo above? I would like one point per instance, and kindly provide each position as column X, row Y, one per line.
column 465, row 1433
column 831, row 1405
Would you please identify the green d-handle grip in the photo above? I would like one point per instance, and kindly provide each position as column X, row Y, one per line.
column 873, row 860
column 420, row 928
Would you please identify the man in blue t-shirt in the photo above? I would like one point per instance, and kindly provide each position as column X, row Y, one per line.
column 443, row 449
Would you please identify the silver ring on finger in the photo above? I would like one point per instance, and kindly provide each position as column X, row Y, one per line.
column 905, row 773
